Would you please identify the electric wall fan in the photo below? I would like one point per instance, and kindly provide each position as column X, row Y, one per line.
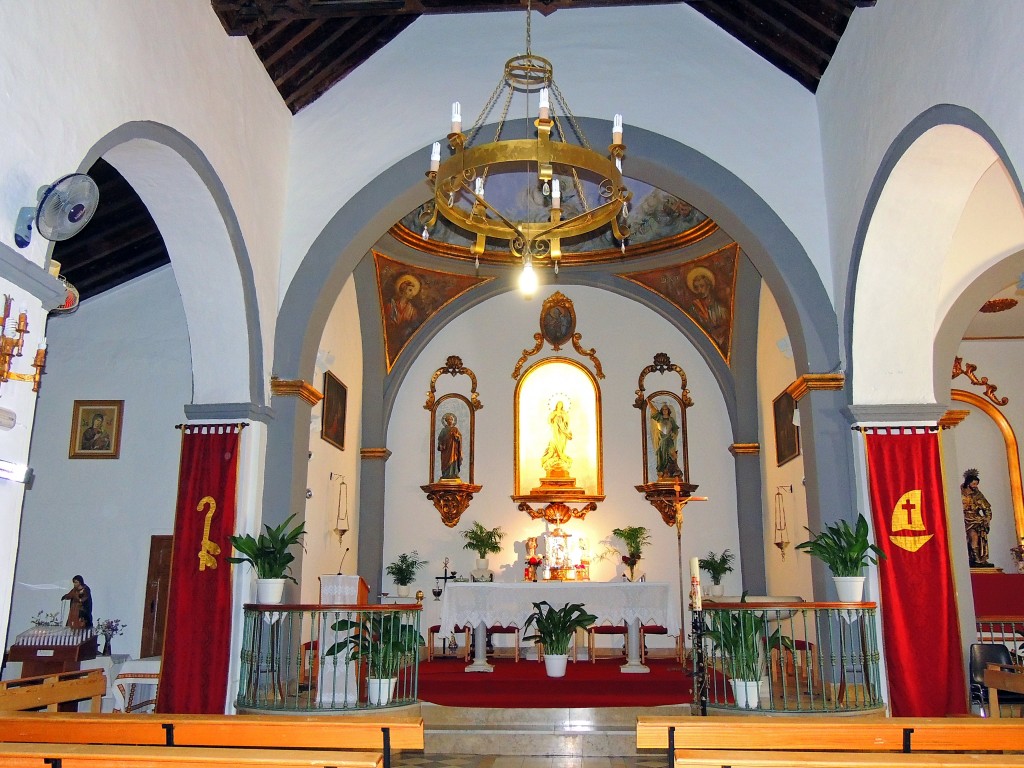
column 64, row 208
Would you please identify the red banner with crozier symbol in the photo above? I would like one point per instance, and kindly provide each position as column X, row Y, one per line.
column 921, row 630
column 197, row 643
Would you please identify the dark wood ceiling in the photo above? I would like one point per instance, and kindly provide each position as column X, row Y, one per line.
column 309, row 45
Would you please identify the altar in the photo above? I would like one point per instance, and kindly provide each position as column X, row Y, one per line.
column 485, row 604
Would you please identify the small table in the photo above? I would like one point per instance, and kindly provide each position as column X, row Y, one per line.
column 135, row 685
column 485, row 604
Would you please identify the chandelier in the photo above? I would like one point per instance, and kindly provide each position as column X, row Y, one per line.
column 533, row 221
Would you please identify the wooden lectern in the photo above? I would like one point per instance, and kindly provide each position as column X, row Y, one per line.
column 50, row 650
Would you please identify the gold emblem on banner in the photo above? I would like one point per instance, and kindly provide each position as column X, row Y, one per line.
column 906, row 516
column 208, row 548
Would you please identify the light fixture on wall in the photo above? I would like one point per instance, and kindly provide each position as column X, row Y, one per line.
column 535, row 223
column 12, row 341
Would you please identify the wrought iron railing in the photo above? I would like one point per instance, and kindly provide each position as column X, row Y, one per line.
column 308, row 658
column 1007, row 630
column 811, row 657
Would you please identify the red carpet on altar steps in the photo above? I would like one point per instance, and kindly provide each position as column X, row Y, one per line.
column 522, row 685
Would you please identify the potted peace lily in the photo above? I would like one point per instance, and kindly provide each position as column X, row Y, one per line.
column 556, row 628
column 270, row 556
column 635, row 537
column 483, row 541
column 741, row 637
column 716, row 566
column 403, row 570
column 846, row 551
column 385, row 644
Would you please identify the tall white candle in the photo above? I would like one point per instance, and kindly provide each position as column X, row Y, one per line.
column 694, row 567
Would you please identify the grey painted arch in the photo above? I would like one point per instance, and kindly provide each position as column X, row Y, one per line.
column 205, row 346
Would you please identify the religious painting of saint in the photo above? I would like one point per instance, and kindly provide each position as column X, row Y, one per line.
column 96, row 429
column 332, row 418
column 557, row 320
column 704, row 289
column 787, row 434
column 410, row 296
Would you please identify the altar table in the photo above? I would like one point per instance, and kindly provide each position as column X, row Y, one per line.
column 486, row 604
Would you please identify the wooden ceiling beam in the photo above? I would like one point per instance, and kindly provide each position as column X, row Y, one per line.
column 293, row 42
column 824, row 29
column 312, row 55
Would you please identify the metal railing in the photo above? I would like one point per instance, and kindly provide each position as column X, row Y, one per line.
column 810, row 657
column 314, row 658
column 1006, row 630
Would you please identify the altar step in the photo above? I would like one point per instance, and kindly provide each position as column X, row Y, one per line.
column 598, row 732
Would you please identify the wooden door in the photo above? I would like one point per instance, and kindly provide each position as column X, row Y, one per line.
column 158, row 582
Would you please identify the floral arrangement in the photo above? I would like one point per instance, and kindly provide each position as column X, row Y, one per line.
column 43, row 619
column 110, row 627
column 534, row 560
column 1018, row 553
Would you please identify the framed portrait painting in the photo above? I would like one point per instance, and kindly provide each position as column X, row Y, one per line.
column 96, row 429
column 787, row 434
column 332, row 418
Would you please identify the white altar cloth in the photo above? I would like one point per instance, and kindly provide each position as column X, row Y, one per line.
column 486, row 604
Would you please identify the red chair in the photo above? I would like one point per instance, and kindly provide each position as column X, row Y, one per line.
column 602, row 629
column 658, row 629
column 435, row 631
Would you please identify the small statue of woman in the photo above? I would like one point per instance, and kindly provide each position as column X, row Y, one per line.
column 80, row 612
column 977, row 519
column 555, row 456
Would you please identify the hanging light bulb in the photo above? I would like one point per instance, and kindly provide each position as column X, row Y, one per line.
column 528, row 279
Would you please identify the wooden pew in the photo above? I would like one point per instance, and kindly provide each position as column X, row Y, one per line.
column 50, row 691
column 711, row 758
column 348, row 732
column 1002, row 677
column 809, row 735
column 108, row 756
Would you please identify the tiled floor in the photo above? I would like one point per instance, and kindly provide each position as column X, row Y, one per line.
column 417, row 760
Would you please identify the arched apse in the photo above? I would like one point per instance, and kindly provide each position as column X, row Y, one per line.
column 945, row 204
column 211, row 265
column 773, row 249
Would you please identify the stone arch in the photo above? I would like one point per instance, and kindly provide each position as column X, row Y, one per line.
column 943, row 174
column 193, row 212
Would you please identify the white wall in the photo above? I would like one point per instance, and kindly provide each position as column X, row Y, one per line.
column 787, row 571
column 95, row 517
column 489, row 338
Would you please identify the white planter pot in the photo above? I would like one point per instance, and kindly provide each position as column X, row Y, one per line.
column 379, row 691
column 483, row 564
column 849, row 588
column 746, row 693
column 555, row 665
column 716, row 590
column 269, row 591
column 403, row 590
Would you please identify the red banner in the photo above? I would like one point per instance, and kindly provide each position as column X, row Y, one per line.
column 923, row 653
column 197, row 644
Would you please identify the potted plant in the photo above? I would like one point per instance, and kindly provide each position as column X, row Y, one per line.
column 385, row 643
column 483, row 541
column 556, row 628
column 741, row 637
column 270, row 556
column 403, row 570
column 635, row 537
column 716, row 567
column 846, row 551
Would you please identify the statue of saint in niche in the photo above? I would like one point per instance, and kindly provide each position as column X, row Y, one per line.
column 556, row 460
column 977, row 519
column 449, row 444
column 666, row 441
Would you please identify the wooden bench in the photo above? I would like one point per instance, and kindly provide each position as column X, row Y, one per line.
column 1003, row 677
column 51, row 691
column 687, row 736
column 713, row 758
column 120, row 756
column 347, row 732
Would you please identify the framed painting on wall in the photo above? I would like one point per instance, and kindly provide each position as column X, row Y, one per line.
column 332, row 419
column 96, row 429
column 787, row 434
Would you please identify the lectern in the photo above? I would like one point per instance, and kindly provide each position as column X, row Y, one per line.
column 51, row 650
column 336, row 680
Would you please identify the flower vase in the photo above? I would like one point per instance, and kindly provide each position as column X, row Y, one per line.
column 106, row 646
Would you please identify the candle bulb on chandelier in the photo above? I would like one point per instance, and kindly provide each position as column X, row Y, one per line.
column 435, row 157
column 479, row 188
column 617, row 130
column 556, row 194
column 456, row 117
column 544, row 107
